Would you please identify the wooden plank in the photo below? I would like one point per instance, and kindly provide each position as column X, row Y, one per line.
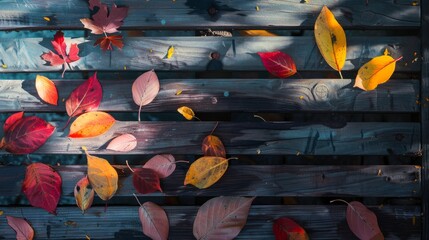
column 222, row 95
column 369, row 138
column 321, row 222
column 169, row 14
column 263, row 180
column 193, row 53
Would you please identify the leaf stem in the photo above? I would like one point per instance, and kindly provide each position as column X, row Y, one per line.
column 137, row 199
column 257, row 116
column 344, row 201
column 126, row 161
column 217, row 123
column 341, row 75
column 197, row 118
column 180, row 161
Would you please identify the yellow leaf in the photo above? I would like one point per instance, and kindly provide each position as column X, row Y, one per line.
column 377, row 71
column 47, row 19
column 179, row 91
column 91, row 124
column 170, row 52
column 1, row 212
column 330, row 39
column 386, row 52
column 102, row 176
column 206, row 171
column 254, row 33
column 186, row 112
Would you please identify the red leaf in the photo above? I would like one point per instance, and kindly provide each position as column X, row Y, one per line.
column 106, row 42
column 286, row 229
column 221, row 217
column 146, row 180
column 12, row 119
column 145, row 88
column 42, row 186
column 279, row 64
column 154, row 221
column 123, row 143
column 363, row 222
column 213, row 146
column 62, row 57
column 104, row 21
column 164, row 165
column 85, row 98
column 27, row 134
column 22, row 228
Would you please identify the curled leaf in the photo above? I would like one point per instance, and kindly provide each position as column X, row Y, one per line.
column 186, row 112
column 83, row 194
column 42, row 186
column 46, row 90
column 164, row 165
column 146, row 180
column 278, row 63
column 154, row 221
column 12, row 119
column 144, row 89
column 330, row 39
column 91, row 124
column 102, row 176
column 377, row 71
column 123, row 143
column 221, row 217
column 22, row 228
column 206, row 171
column 286, row 229
column 213, row 146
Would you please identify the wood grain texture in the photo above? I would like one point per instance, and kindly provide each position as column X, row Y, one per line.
column 247, row 180
column 222, row 95
column 193, row 53
column 281, row 138
column 321, row 222
column 193, row 14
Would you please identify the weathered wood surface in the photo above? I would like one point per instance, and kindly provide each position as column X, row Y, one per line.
column 167, row 14
column 329, row 138
column 222, row 95
column 264, row 180
column 320, row 222
column 193, row 53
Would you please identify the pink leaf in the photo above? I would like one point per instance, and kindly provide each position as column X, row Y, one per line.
column 104, row 20
column 22, row 228
column 123, row 143
column 85, row 98
column 286, row 229
column 146, row 181
column 26, row 134
column 164, row 165
column 145, row 88
column 12, row 119
column 221, row 217
column 42, row 186
column 278, row 63
column 363, row 222
column 154, row 221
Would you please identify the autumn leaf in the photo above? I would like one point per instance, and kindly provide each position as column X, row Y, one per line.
column 286, row 229
column 22, row 228
column 83, row 194
column 46, row 90
column 206, row 171
column 123, row 143
column 106, row 21
column 187, row 112
column 221, row 217
column 278, row 63
column 257, row 33
column 154, row 220
column 170, row 52
column 144, row 89
column 146, row 180
column 362, row 221
column 102, row 176
column 42, row 186
column 62, row 57
column 213, row 146
column 85, row 98
column 377, row 71
column 25, row 135
column 330, row 39
column 91, row 124
column 164, row 165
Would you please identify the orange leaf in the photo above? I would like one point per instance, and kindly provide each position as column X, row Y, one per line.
column 91, row 124
column 46, row 90
column 102, row 176
column 254, row 33
column 330, row 39
column 213, row 146
column 186, row 112
column 83, row 194
column 377, row 71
